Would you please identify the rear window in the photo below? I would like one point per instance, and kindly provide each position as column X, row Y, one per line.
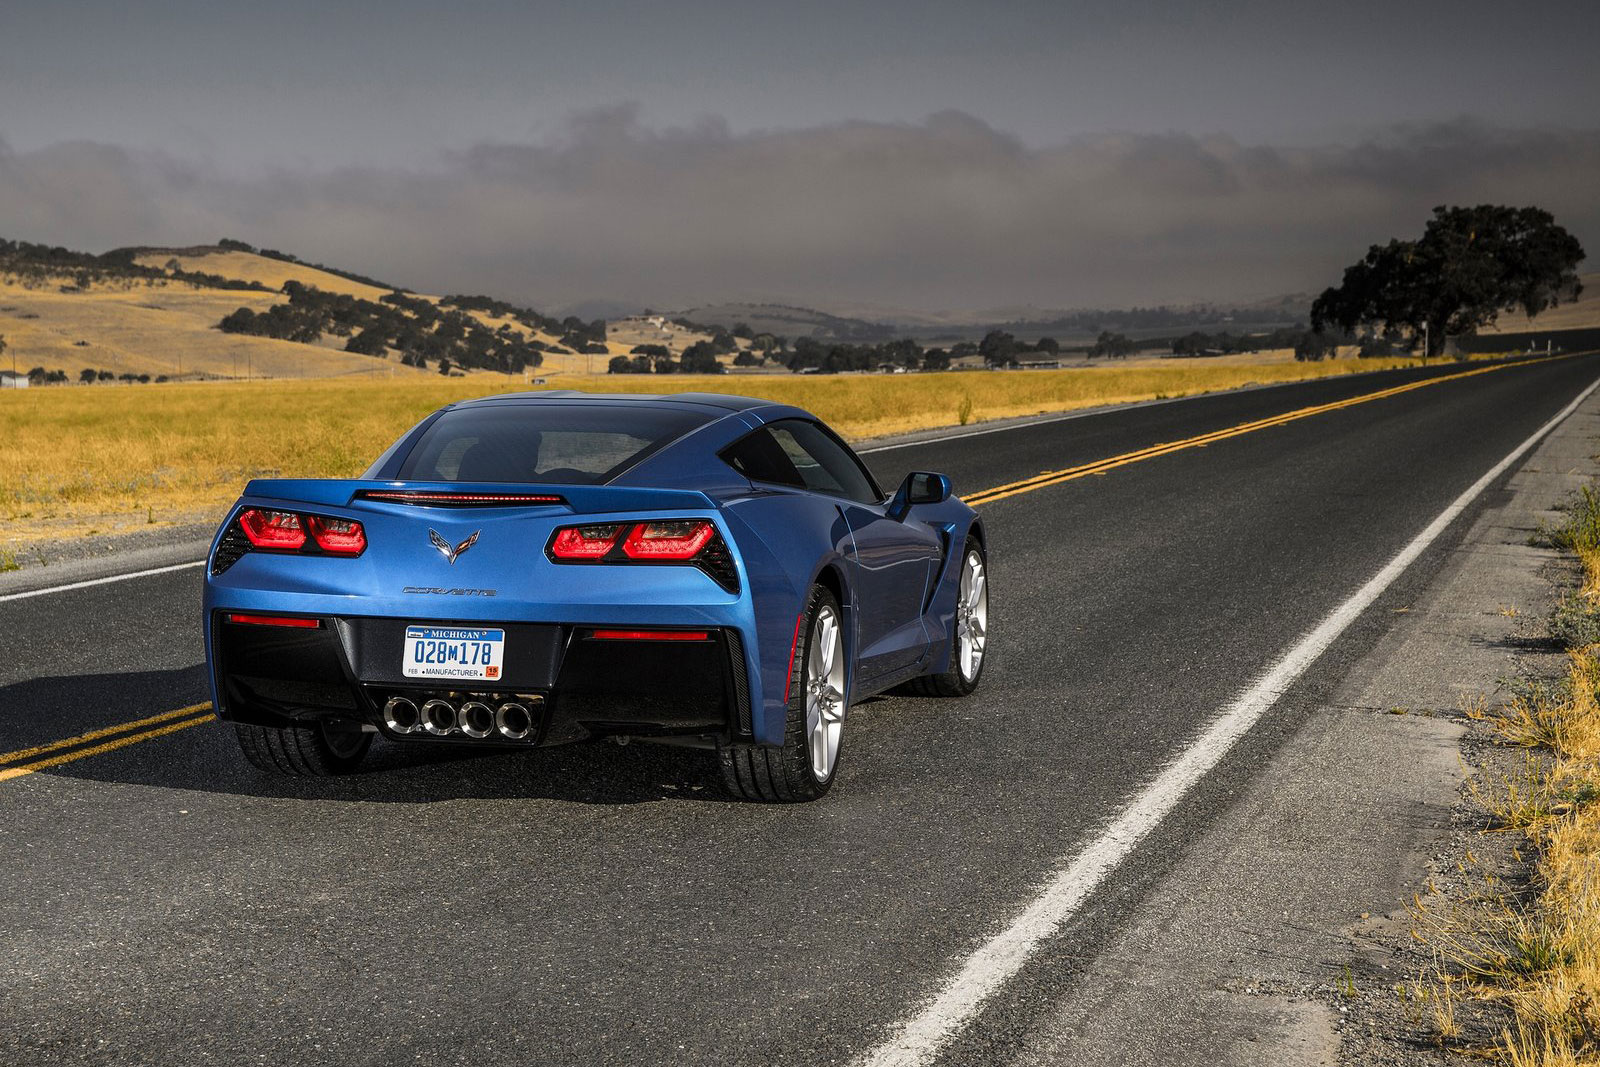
column 577, row 445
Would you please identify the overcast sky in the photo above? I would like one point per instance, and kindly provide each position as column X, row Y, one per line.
column 921, row 154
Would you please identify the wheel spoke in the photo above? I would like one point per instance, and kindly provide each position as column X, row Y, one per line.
column 824, row 692
column 821, row 762
column 972, row 615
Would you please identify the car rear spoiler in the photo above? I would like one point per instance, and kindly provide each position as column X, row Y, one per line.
column 578, row 499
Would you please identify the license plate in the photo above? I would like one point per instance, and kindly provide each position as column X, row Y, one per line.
column 453, row 652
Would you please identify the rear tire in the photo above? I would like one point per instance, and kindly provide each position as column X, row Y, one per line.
column 318, row 750
column 805, row 767
column 969, row 641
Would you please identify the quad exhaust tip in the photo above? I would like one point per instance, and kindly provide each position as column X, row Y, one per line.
column 514, row 721
column 439, row 717
column 476, row 719
column 401, row 715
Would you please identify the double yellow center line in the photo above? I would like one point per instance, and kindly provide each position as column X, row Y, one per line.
column 42, row 757
column 1045, row 479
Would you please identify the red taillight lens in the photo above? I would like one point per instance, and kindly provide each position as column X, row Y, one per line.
column 650, row 635
column 668, row 540
column 338, row 537
column 272, row 529
column 695, row 542
column 291, row 621
column 584, row 542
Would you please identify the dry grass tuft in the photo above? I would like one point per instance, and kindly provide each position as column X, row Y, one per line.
column 1535, row 951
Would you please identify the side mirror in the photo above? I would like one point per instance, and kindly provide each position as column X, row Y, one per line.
column 920, row 487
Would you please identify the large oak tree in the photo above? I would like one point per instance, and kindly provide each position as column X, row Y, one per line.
column 1470, row 264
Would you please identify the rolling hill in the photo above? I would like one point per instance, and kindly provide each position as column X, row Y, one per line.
column 1582, row 314
column 159, row 313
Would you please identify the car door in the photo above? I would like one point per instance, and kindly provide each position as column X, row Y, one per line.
column 892, row 561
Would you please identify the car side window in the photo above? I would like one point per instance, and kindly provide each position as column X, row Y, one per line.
column 823, row 463
column 761, row 459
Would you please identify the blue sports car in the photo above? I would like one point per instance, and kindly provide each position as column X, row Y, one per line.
column 541, row 568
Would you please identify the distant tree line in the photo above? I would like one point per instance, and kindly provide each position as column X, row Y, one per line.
column 811, row 355
column 420, row 330
column 488, row 305
column 698, row 358
column 39, row 264
column 1142, row 319
column 87, row 376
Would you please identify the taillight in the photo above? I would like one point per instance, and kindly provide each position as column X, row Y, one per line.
column 692, row 541
column 584, row 542
column 271, row 530
column 337, row 537
column 668, row 540
column 280, row 530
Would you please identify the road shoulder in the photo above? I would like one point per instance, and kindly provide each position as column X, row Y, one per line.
column 1249, row 951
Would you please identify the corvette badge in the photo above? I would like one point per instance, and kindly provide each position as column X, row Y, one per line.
column 444, row 548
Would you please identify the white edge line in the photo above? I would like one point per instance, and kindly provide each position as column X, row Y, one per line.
column 101, row 581
column 1003, row 955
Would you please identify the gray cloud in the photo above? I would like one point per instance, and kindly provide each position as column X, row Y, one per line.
column 946, row 213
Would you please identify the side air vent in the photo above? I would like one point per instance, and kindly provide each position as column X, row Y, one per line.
column 230, row 549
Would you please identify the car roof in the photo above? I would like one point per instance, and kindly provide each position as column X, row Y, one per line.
column 720, row 401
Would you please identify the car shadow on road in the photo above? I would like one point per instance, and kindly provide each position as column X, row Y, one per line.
column 207, row 758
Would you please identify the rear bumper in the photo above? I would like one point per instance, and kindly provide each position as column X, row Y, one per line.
column 576, row 685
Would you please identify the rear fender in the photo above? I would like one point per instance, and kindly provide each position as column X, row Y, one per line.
column 796, row 543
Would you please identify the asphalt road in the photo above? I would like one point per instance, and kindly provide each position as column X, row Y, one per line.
column 165, row 903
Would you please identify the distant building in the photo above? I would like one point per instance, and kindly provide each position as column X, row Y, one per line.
column 13, row 381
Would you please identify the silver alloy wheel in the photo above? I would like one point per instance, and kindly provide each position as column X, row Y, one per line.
column 972, row 616
column 824, row 692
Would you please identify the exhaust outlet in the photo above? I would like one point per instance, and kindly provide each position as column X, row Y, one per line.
column 439, row 717
column 401, row 715
column 514, row 721
column 476, row 720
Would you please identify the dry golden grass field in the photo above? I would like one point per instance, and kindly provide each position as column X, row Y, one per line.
column 76, row 461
